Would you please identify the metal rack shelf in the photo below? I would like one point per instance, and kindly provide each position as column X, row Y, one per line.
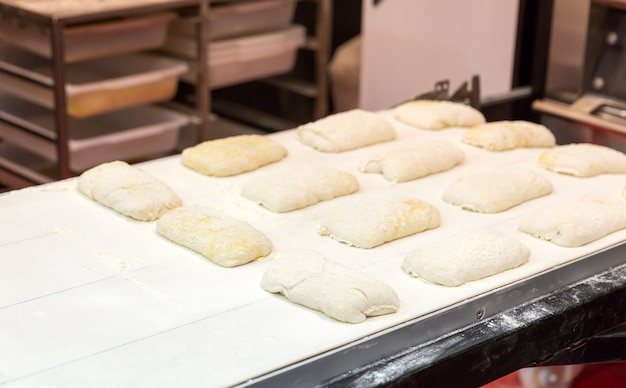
column 54, row 18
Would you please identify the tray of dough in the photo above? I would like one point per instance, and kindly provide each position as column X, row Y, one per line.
column 97, row 298
column 95, row 86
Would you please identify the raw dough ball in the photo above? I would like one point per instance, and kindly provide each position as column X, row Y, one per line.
column 232, row 155
column 346, row 131
column 577, row 223
column 508, row 135
column 128, row 190
column 299, row 188
column 373, row 224
column 466, row 256
column 428, row 114
column 497, row 190
column 321, row 284
column 583, row 160
column 224, row 240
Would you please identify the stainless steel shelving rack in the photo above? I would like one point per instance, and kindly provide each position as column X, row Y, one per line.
column 53, row 19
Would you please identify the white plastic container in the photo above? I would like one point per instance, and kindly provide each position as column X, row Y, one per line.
column 93, row 40
column 233, row 61
column 96, row 86
column 130, row 134
column 232, row 20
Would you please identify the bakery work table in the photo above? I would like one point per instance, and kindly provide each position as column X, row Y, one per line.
column 89, row 297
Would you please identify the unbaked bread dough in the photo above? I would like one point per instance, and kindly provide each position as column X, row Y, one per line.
column 299, row 187
column 224, row 240
column 466, row 256
column 346, row 131
column 430, row 114
column 128, row 190
column 508, row 135
column 583, row 160
column 577, row 223
column 232, row 155
column 416, row 161
column 324, row 285
column 494, row 191
column 374, row 223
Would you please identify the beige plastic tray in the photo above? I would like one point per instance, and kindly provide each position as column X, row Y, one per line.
column 96, row 86
column 130, row 134
column 93, row 40
column 243, row 59
column 232, row 20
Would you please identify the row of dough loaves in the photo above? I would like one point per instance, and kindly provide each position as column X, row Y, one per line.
column 231, row 242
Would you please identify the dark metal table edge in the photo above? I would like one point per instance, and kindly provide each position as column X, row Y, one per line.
column 479, row 340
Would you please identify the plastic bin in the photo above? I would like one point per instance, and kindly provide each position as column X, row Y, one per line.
column 95, row 86
column 232, row 20
column 92, row 40
column 130, row 134
column 243, row 59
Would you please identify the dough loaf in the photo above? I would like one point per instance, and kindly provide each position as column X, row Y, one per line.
column 128, row 190
column 466, row 256
column 346, row 131
column 299, row 188
column 429, row 114
column 373, row 224
column 224, row 240
column 425, row 158
column 577, row 223
column 497, row 190
column 321, row 284
column 232, row 155
column 508, row 135
column 583, row 160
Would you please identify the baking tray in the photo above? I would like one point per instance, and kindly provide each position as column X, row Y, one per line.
column 241, row 59
column 130, row 134
column 241, row 19
column 93, row 87
column 75, row 267
column 92, row 40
